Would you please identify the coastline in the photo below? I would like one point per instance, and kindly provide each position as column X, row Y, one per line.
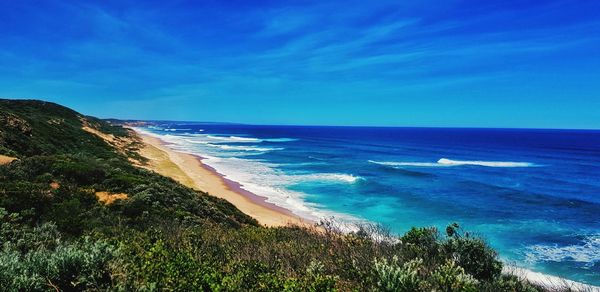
column 548, row 281
column 189, row 170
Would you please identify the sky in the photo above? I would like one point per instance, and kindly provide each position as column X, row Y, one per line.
column 374, row 63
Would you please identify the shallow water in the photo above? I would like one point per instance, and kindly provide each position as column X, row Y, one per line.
column 533, row 194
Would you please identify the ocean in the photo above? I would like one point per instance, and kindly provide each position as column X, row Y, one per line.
column 533, row 194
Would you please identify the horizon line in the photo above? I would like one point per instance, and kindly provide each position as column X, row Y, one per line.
column 355, row 126
column 311, row 125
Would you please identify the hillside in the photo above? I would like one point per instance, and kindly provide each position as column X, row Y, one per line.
column 42, row 128
column 77, row 213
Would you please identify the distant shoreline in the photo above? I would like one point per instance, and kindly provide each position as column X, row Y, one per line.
column 189, row 170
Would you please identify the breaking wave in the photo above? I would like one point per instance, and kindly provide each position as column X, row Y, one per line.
column 233, row 139
column 449, row 162
column 242, row 148
column 587, row 251
column 330, row 177
column 257, row 176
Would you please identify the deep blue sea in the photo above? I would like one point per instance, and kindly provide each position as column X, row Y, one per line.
column 533, row 194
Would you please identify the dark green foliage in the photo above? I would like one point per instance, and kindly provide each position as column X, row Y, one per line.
column 73, row 206
column 292, row 258
column 83, row 172
column 30, row 127
column 421, row 242
column 217, row 258
column 107, row 127
column 55, row 234
column 473, row 254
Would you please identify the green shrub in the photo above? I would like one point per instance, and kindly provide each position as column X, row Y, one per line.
column 316, row 279
column 394, row 276
column 471, row 253
column 164, row 267
column 81, row 172
column 452, row 277
column 509, row 283
column 421, row 243
column 76, row 266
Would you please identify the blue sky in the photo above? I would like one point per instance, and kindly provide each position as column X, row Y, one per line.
column 419, row 63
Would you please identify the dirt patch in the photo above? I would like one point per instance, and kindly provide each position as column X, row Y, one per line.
column 6, row 159
column 124, row 145
column 108, row 198
column 54, row 185
column 55, row 121
column 15, row 123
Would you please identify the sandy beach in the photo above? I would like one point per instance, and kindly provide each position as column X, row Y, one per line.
column 552, row 283
column 190, row 171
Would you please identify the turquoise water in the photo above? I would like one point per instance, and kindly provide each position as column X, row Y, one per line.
column 533, row 194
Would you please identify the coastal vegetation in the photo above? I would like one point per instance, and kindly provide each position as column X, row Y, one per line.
column 77, row 212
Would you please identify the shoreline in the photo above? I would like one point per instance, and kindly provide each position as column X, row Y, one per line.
column 547, row 281
column 189, row 170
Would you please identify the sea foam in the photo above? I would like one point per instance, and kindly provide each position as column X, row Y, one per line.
column 448, row 162
column 233, row 139
column 176, row 129
column 329, row 177
column 551, row 283
column 256, row 176
column 267, row 181
column 280, row 140
column 237, row 139
column 445, row 161
column 587, row 251
column 242, row 148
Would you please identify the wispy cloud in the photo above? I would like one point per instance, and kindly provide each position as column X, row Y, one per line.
column 376, row 50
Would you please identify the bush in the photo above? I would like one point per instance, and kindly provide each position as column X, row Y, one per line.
column 509, row 283
column 472, row 254
column 421, row 243
column 54, row 264
column 393, row 276
column 452, row 277
column 81, row 172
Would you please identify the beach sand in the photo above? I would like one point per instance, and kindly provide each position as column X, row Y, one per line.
column 552, row 283
column 190, row 171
